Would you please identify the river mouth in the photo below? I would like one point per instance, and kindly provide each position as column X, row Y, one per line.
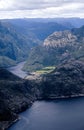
column 65, row 114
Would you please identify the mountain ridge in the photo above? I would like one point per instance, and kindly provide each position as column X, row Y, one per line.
column 57, row 48
column 18, row 38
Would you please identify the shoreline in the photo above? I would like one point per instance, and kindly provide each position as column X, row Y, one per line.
column 8, row 124
column 4, row 125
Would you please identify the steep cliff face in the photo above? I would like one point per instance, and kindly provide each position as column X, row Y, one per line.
column 12, row 45
column 16, row 95
column 58, row 48
column 17, row 37
column 60, row 39
column 65, row 81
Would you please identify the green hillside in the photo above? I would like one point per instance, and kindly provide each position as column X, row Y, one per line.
column 58, row 48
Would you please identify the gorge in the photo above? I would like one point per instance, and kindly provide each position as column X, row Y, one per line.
column 58, row 90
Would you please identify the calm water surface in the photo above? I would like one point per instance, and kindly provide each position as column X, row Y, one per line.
column 17, row 70
column 66, row 114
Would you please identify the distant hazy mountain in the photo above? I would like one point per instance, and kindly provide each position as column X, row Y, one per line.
column 12, row 45
column 18, row 36
column 38, row 28
column 58, row 48
column 73, row 22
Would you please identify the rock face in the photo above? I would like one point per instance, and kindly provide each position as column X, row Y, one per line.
column 17, row 37
column 12, row 45
column 15, row 96
column 58, row 48
column 65, row 81
column 60, row 39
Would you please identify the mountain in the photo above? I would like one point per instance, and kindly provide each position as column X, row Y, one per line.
column 63, row 49
column 18, row 36
column 59, row 47
column 79, row 32
column 60, row 39
column 37, row 28
column 69, row 22
column 65, row 81
column 17, row 94
column 74, row 21
column 12, row 46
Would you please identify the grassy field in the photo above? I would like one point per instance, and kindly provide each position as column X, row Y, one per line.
column 46, row 70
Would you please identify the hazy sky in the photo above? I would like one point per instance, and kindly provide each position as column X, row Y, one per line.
column 41, row 8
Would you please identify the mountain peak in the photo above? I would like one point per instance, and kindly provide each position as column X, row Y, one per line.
column 60, row 39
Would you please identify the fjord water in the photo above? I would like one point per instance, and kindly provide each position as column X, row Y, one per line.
column 17, row 70
column 61, row 114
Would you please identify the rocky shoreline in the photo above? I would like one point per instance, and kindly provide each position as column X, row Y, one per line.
column 17, row 95
column 4, row 125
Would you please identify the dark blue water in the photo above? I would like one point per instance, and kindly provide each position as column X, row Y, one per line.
column 66, row 114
